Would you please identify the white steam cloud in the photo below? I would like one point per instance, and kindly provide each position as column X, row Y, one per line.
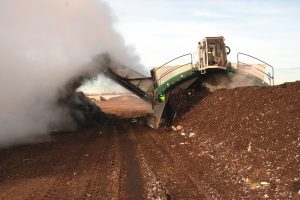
column 43, row 45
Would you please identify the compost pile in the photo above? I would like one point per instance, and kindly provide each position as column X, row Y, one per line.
column 248, row 138
column 181, row 101
column 83, row 111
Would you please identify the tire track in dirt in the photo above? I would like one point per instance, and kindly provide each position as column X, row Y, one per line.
column 44, row 176
column 177, row 182
column 62, row 187
column 153, row 187
column 103, row 181
column 72, row 177
column 195, row 175
column 195, row 167
column 131, row 183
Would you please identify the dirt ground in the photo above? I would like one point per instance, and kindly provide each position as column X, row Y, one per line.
column 125, row 106
column 242, row 143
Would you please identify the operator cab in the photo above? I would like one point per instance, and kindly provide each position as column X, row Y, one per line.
column 213, row 53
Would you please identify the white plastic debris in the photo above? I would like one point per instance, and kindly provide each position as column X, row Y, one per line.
column 264, row 183
column 183, row 133
column 88, row 195
column 259, row 184
column 183, row 143
column 174, row 128
column 133, row 121
column 192, row 135
column 249, row 147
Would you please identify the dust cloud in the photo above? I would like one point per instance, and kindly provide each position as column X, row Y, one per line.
column 43, row 46
column 221, row 81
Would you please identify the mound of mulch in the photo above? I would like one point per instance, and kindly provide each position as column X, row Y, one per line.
column 180, row 102
column 83, row 111
column 252, row 136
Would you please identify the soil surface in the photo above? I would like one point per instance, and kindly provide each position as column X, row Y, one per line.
column 242, row 143
column 125, row 107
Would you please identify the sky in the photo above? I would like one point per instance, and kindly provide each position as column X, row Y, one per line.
column 159, row 30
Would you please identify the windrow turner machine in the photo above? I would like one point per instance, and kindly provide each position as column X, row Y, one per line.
column 207, row 64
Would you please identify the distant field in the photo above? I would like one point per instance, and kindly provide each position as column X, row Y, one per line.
column 125, row 106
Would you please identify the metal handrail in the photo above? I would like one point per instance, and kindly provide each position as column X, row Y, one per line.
column 139, row 79
column 173, row 69
column 176, row 59
column 270, row 77
column 155, row 92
